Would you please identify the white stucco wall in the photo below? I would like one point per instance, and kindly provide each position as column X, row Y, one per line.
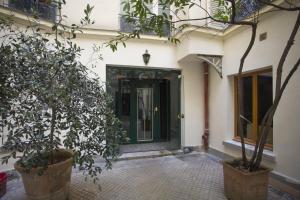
column 105, row 13
column 199, row 43
column 192, row 103
column 265, row 53
column 194, row 13
column 162, row 53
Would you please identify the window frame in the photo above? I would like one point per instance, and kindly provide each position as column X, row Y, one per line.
column 255, row 111
column 40, row 6
column 128, row 27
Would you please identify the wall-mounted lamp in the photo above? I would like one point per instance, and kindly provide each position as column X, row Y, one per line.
column 146, row 57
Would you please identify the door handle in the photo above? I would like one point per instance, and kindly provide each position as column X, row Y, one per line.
column 180, row 116
column 155, row 109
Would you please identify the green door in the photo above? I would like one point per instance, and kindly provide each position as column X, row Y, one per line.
column 145, row 111
column 147, row 102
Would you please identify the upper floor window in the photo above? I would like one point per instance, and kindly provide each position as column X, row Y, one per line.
column 244, row 9
column 256, row 97
column 44, row 9
column 213, row 9
column 155, row 8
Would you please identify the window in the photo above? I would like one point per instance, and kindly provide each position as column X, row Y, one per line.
column 256, row 96
column 246, row 8
column 156, row 8
column 42, row 8
column 213, row 9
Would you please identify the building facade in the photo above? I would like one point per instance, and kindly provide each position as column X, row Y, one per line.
column 163, row 100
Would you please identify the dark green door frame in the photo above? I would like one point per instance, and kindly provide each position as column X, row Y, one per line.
column 122, row 85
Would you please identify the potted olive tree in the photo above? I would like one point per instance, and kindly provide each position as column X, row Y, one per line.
column 244, row 178
column 55, row 110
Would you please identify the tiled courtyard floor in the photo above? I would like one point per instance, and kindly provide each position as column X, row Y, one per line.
column 183, row 177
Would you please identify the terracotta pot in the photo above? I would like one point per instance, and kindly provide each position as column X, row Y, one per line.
column 3, row 182
column 241, row 185
column 53, row 184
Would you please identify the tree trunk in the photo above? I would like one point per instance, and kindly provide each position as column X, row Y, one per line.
column 53, row 123
column 251, row 43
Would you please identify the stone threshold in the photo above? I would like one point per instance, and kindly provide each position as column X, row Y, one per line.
column 148, row 154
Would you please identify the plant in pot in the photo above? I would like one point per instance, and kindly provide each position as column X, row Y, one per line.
column 244, row 178
column 55, row 110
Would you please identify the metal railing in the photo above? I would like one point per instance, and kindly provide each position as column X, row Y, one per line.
column 41, row 9
column 245, row 8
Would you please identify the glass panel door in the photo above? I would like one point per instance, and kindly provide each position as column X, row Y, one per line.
column 144, row 114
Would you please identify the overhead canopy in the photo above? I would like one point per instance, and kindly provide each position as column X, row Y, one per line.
column 213, row 60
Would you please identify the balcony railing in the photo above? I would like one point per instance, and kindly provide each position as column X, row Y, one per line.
column 39, row 8
column 247, row 8
column 129, row 27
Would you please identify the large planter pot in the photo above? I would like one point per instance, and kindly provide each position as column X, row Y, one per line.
column 241, row 185
column 54, row 182
column 3, row 181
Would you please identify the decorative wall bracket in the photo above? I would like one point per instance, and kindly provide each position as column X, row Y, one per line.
column 215, row 61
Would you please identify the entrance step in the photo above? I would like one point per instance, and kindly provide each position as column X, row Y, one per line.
column 148, row 154
column 155, row 146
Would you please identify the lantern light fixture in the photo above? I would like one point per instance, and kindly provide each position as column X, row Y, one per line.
column 146, row 57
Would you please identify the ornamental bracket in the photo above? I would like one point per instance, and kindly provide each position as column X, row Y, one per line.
column 215, row 61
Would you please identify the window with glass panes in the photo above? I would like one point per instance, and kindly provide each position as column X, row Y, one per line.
column 256, row 96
